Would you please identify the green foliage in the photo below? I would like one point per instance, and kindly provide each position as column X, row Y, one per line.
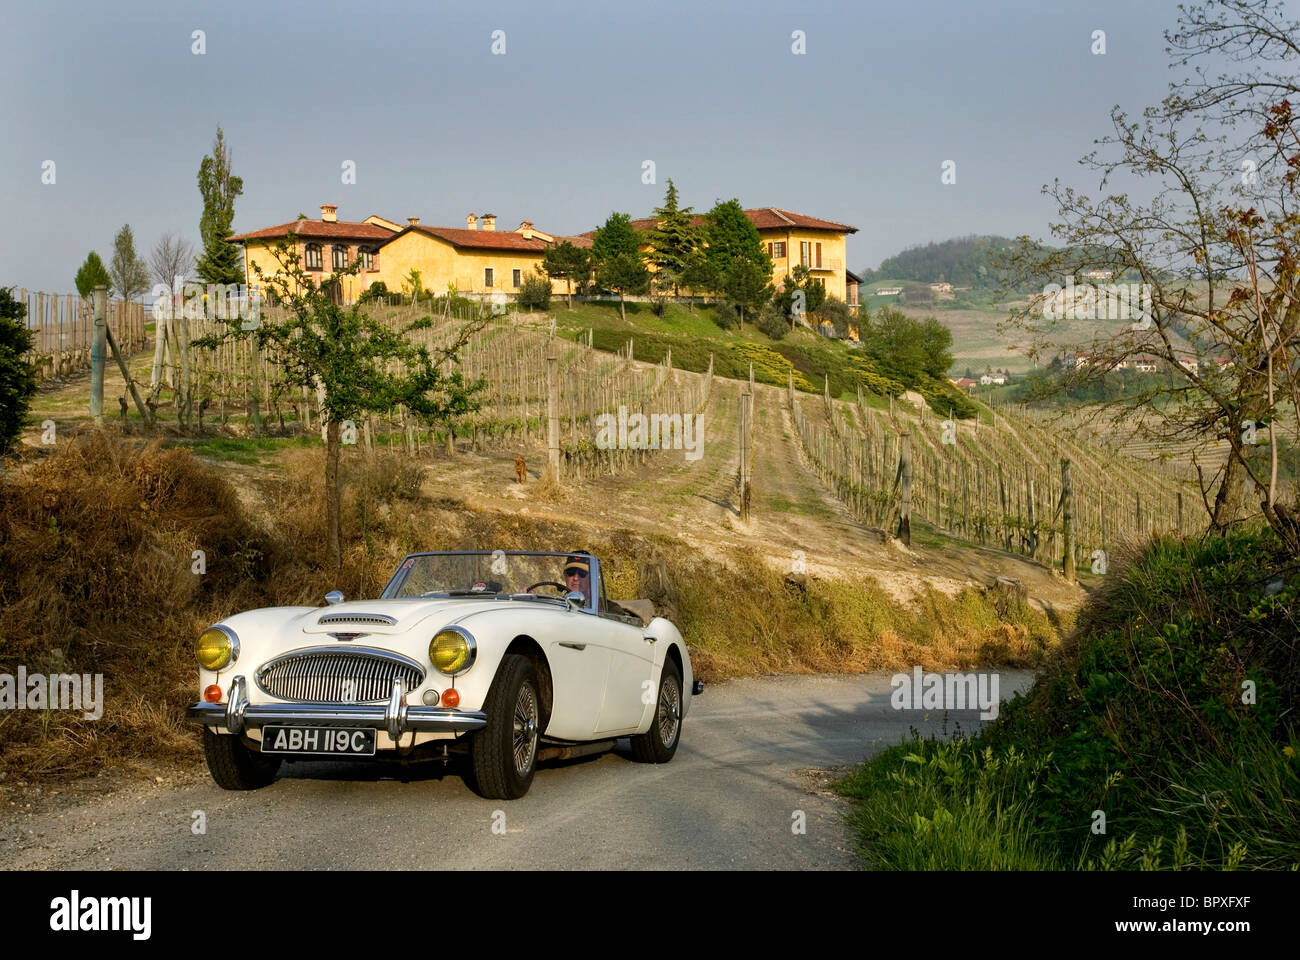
column 769, row 366
column 378, row 292
column 726, row 315
column 570, row 263
column 905, row 348
column 800, row 279
column 772, row 322
column 747, row 286
column 535, row 292
column 615, row 239
column 673, row 241
column 92, row 274
column 17, row 381
column 221, row 261
column 129, row 271
column 836, row 312
column 1173, row 710
column 732, row 238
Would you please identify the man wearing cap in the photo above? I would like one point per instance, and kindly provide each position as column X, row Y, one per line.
column 577, row 575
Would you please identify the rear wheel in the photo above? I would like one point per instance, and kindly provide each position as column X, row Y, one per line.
column 234, row 766
column 659, row 743
column 504, row 753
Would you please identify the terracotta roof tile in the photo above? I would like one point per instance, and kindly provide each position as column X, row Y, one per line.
column 336, row 229
column 764, row 218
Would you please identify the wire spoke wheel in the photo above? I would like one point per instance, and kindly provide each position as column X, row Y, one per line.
column 670, row 709
column 525, row 729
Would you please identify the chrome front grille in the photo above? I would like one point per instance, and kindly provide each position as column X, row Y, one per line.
column 330, row 675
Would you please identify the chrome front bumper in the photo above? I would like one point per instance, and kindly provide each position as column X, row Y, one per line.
column 396, row 717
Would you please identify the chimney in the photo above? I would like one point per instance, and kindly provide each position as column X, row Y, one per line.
column 471, row 222
column 526, row 229
column 329, row 212
column 412, row 221
column 489, row 221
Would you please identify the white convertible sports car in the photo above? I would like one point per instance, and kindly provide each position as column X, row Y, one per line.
column 509, row 656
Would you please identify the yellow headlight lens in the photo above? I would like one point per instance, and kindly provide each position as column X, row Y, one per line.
column 449, row 651
column 214, row 649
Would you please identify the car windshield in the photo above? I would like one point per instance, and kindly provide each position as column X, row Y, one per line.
column 491, row 573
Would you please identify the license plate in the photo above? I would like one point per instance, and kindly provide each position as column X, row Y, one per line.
column 328, row 741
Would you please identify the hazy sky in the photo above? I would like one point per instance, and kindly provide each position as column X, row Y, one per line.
column 556, row 129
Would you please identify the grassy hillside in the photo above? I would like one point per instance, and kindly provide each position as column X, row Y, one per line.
column 1172, row 711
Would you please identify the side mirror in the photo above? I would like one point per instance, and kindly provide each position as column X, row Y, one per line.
column 576, row 600
column 333, row 597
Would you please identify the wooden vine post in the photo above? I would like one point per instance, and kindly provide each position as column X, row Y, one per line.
column 552, row 417
column 1067, row 520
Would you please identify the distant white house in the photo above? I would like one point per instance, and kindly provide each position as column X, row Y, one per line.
column 888, row 291
column 1099, row 274
column 992, row 378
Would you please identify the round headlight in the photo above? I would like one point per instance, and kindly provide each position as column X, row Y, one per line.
column 452, row 650
column 218, row 647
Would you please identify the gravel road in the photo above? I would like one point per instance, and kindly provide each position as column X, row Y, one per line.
column 753, row 753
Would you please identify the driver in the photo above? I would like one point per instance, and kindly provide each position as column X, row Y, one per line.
column 577, row 575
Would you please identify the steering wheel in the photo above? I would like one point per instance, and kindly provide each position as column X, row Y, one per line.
column 548, row 583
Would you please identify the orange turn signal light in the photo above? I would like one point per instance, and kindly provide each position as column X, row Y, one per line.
column 212, row 693
column 450, row 698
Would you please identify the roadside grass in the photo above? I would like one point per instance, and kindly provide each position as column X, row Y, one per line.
column 1170, row 710
column 97, row 575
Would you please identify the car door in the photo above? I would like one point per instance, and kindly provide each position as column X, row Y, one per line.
column 630, row 678
column 579, row 661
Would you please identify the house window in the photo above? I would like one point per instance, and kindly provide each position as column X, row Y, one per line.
column 487, row 276
column 367, row 258
column 518, row 276
column 819, row 255
column 803, row 252
column 777, row 249
column 340, row 256
column 313, row 256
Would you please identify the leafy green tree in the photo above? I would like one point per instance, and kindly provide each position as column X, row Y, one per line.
column 92, row 274
column 129, row 271
column 896, row 342
column 672, row 241
column 837, row 313
column 361, row 364
column 220, row 261
column 535, row 292
column 619, row 265
column 936, row 345
column 800, row 279
column 697, row 275
column 748, row 286
column 565, row 261
column 732, row 238
column 772, row 322
column 17, row 381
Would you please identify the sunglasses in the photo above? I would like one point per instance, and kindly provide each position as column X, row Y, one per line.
column 571, row 571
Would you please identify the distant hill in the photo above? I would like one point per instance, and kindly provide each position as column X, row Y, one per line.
column 962, row 261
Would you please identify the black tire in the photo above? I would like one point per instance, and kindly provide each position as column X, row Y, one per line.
column 659, row 743
column 504, row 753
column 234, row 766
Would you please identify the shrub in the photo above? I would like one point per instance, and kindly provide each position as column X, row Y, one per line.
column 17, row 382
column 535, row 294
column 837, row 313
column 772, row 323
column 726, row 315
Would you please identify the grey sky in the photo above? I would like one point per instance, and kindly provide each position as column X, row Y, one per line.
column 555, row 131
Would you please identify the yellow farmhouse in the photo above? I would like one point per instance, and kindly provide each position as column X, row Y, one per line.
column 479, row 260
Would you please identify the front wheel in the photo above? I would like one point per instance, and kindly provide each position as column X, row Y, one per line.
column 234, row 766
column 659, row 743
column 504, row 753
